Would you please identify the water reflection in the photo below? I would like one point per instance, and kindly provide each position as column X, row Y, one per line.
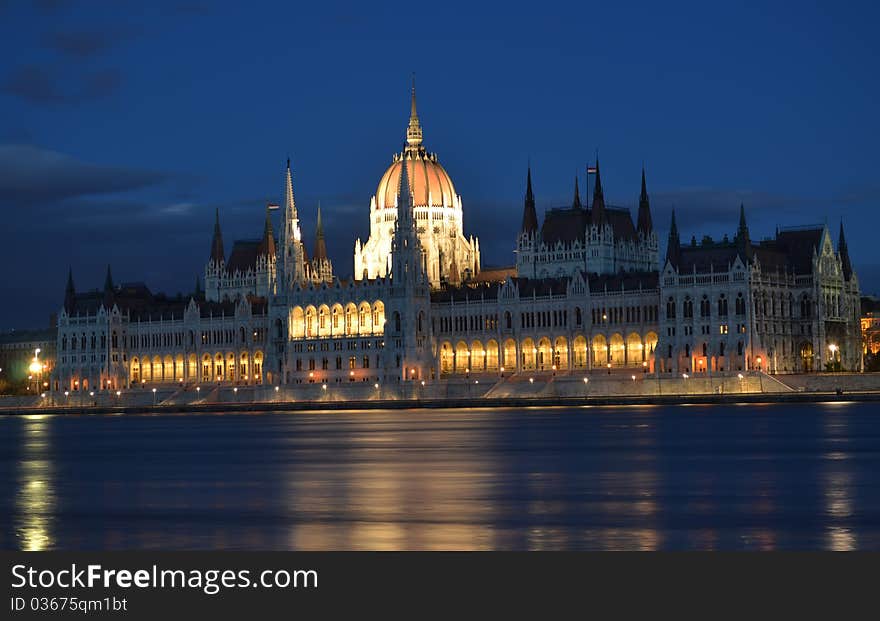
column 837, row 485
column 598, row 478
column 35, row 497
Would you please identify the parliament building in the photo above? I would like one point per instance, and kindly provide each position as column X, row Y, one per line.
column 588, row 293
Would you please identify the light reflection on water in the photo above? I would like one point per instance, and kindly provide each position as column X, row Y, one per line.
column 703, row 477
column 35, row 491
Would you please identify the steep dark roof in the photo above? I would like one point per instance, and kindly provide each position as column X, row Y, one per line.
column 792, row 248
column 467, row 291
column 568, row 224
column 624, row 281
column 707, row 257
column 244, row 255
column 494, row 274
column 542, row 286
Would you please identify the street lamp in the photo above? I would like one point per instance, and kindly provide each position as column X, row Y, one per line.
column 154, row 397
column 644, row 366
column 609, row 368
column 586, row 380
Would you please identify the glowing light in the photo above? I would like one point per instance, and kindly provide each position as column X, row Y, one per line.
column 377, row 385
column 586, row 379
column 323, row 386
column 35, row 367
column 739, row 375
column 634, row 377
column 531, row 380
column 276, row 389
column 685, row 375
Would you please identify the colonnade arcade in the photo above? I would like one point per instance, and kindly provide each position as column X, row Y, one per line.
column 324, row 320
column 241, row 367
column 548, row 354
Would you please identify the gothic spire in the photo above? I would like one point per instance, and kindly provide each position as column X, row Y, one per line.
column 217, row 254
column 576, row 203
column 267, row 245
column 108, row 281
column 289, row 201
column 673, row 246
column 530, row 216
column 414, row 130
column 598, row 213
column 69, row 291
column 644, row 221
column 742, row 232
column 320, row 245
column 844, row 254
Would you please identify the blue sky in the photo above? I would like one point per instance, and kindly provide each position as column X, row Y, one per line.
column 124, row 125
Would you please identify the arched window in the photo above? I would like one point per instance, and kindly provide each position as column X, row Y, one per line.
column 705, row 307
column 722, row 306
column 688, row 311
column 687, row 350
column 739, row 348
column 241, row 334
column 670, row 308
column 577, row 315
column 508, row 320
column 740, row 304
column 396, row 321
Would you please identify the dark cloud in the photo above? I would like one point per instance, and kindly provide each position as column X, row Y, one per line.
column 30, row 175
column 83, row 44
column 33, row 83
column 44, row 85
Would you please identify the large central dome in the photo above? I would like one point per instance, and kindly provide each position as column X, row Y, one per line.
column 448, row 255
column 430, row 183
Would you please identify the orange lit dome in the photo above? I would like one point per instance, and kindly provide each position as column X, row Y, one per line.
column 431, row 185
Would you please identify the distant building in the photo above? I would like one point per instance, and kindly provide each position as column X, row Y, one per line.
column 870, row 325
column 18, row 354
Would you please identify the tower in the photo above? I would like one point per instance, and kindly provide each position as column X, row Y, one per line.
column 645, row 226
column 673, row 245
column 407, row 333
column 322, row 267
column 216, row 266
column 293, row 252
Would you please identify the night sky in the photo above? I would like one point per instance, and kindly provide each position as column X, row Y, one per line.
column 123, row 125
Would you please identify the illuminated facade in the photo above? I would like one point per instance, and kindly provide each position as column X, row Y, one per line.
column 784, row 305
column 870, row 326
column 448, row 256
column 586, row 294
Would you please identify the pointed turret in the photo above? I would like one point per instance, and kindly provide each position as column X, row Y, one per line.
column 742, row 232
column 530, row 216
column 673, row 246
column 598, row 213
column 320, row 245
column 846, row 264
column 414, row 130
column 267, row 245
column 108, row 281
column 576, row 203
column 217, row 255
column 644, row 221
column 69, row 292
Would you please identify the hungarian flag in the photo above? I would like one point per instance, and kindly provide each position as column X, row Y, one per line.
column 272, row 206
column 592, row 170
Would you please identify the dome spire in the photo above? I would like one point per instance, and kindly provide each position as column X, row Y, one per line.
column 414, row 130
